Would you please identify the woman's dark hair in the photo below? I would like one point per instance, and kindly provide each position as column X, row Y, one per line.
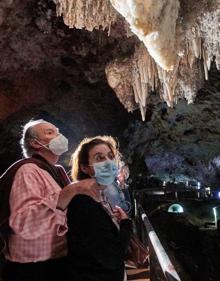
column 81, row 154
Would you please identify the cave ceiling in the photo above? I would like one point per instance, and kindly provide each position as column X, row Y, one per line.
column 177, row 41
column 84, row 64
column 50, row 71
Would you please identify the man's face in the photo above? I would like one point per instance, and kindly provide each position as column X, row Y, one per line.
column 46, row 132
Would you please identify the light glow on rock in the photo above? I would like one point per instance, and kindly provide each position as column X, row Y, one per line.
column 154, row 22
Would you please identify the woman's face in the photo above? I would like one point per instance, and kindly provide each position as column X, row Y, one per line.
column 98, row 153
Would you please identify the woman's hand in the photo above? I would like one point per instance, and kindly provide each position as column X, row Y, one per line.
column 120, row 214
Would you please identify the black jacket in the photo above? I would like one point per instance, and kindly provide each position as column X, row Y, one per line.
column 96, row 247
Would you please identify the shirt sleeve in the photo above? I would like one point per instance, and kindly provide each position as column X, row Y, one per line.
column 33, row 202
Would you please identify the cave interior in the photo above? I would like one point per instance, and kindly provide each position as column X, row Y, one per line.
column 146, row 73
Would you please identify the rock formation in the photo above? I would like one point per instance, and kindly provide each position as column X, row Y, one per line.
column 179, row 38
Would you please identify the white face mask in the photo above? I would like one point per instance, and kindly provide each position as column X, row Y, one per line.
column 57, row 145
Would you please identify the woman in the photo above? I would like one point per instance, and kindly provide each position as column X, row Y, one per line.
column 117, row 193
column 98, row 235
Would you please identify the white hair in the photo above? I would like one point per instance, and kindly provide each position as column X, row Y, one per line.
column 28, row 134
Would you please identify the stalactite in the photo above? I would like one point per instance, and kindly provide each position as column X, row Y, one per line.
column 144, row 74
column 154, row 22
column 135, row 76
column 168, row 60
column 140, row 75
column 119, row 76
column 148, row 76
column 209, row 25
column 203, row 40
column 189, row 80
column 88, row 14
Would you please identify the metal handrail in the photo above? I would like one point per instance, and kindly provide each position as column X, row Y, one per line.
column 167, row 267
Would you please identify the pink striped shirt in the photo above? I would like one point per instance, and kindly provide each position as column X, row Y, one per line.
column 38, row 227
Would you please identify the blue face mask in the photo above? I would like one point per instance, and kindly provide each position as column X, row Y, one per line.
column 105, row 172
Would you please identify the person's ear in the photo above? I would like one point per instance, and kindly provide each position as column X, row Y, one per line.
column 85, row 169
column 35, row 144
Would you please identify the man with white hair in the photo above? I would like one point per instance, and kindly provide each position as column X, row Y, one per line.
column 39, row 192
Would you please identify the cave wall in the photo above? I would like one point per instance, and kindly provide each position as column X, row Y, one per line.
column 178, row 144
column 49, row 71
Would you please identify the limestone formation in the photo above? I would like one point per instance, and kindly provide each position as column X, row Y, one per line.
column 88, row 14
column 48, row 70
column 154, row 22
column 132, row 79
column 119, row 77
column 180, row 38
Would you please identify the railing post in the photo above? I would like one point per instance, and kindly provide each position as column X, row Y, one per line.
column 167, row 267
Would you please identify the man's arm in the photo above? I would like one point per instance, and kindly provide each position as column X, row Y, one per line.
column 87, row 187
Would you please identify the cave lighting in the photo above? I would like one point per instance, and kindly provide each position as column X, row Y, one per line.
column 208, row 191
column 215, row 215
column 216, row 193
column 175, row 208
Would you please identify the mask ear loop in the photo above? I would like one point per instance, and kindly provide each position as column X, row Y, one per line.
column 44, row 145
